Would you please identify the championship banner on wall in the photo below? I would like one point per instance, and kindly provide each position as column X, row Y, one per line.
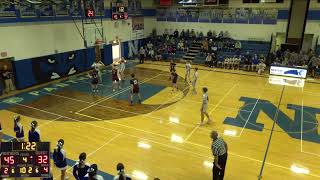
column 171, row 14
column 75, row 7
column 216, row 15
column 137, row 27
column 46, row 10
column 161, row 14
column 99, row 7
column 270, row 16
column 193, row 15
column 242, row 15
column 182, row 15
column 204, row 15
column 7, row 10
column 255, row 16
column 210, row 2
column 61, row 8
column 229, row 15
column 28, row 10
column 134, row 8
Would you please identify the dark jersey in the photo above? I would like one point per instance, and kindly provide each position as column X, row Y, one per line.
column 94, row 76
column 172, row 67
column 34, row 136
column 18, row 128
column 115, row 75
column 80, row 172
column 174, row 77
column 135, row 85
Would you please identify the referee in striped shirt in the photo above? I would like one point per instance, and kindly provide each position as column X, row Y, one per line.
column 220, row 152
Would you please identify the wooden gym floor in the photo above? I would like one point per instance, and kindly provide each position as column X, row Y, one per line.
column 272, row 129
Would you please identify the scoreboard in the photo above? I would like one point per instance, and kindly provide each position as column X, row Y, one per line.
column 25, row 159
column 119, row 10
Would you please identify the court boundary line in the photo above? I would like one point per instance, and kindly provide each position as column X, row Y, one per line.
column 163, row 144
column 244, row 126
column 271, row 133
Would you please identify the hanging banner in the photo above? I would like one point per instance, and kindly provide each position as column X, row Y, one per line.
column 75, row 8
column 7, row 10
column 193, row 15
column 210, row 2
column 99, row 7
column 171, row 14
column 61, row 8
column 255, row 16
column 137, row 27
column 46, row 10
column 229, row 15
column 270, row 16
column 182, row 15
column 134, row 8
column 28, row 10
column 204, row 15
column 161, row 14
column 242, row 15
column 216, row 15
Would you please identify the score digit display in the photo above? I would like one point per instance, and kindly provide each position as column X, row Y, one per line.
column 119, row 11
column 25, row 159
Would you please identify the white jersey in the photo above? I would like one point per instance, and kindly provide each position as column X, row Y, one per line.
column 205, row 98
column 188, row 67
column 195, row 76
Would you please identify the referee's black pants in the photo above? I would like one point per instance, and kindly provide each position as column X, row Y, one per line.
column 218, row 174
column 141, row 58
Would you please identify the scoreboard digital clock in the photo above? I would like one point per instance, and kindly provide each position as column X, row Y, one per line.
column 25, row 159
column 119, row 11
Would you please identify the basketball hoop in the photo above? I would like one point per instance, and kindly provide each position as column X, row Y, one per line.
column 99, row 43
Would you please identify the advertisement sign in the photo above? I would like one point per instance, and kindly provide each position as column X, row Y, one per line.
column 286, row 81
column 290, row 72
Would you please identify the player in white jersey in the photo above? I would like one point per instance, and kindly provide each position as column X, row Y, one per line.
column 188, row 69
column 204, row 107
column 195, row 80
column 97, row 66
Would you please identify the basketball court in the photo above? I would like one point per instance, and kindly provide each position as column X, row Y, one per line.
column 271, row 129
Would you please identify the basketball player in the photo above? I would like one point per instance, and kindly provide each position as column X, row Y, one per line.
column 34, row 132
column 94, row 80
column 97, row 66
column 172, row 68
column 188, row 69
column 81, row 168
column 204, row 107
column 194, row 81
column 174, row 77
column 122, row 68
column 1, row 134
column 135, row 89
column 115, row 78
column 18, row 128
column 60, row 159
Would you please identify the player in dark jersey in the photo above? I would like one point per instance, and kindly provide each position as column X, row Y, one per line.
column 172, row 68
column 174, row 77
column 135, row 89
column 18, row 128
column 115, row 78
column 94, row 80
column 81, row 168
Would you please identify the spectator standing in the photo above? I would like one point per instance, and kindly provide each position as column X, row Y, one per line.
column 219, row 150
column 313, row 63
column 121, row 175
column 7, row 76
column 81, row 168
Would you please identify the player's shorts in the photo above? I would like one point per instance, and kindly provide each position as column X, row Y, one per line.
column 95, row 81
column 204, row 107
column 115, row 79
column 62, row 165
column 135, row 91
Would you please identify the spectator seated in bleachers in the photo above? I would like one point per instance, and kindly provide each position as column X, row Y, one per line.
column 209, row 60
column 180, row 46
column 238, row 45
column 255, row 62
column 149, row 45
column 236, row 63
column 226, row 63
column 220, row 61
